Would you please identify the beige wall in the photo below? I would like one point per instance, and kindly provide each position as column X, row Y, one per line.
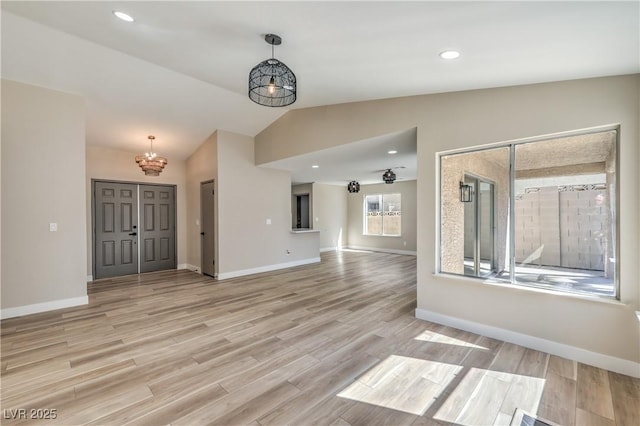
column 473, row 118
column 330, row 215
column 247, row 197
column 202, row 166
column 112, row 164
column 43, row 175
column 328, row 126
column 405, row 242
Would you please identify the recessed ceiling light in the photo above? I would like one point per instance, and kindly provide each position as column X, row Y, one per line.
column 450, row 54
column 315, row 166
column 393, row 151
column 123, row 16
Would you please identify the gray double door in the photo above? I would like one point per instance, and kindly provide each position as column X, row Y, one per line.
column 134, row 228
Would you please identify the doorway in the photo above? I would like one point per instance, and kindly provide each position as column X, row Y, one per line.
column 134, row 228
column 207, row 222
column 302, row 211
column 479, row 228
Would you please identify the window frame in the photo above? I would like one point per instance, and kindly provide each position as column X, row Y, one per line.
column 511, row 260
column 365, row 210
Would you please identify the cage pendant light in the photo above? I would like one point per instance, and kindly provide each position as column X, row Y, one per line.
column 271, row 82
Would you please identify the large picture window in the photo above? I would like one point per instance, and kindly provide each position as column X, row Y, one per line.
column 539, row 213
column 382, row 215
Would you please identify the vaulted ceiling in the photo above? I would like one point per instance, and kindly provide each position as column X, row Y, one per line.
column 180, row 69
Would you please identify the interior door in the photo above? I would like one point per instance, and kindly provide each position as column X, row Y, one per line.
column 115, row 226
column 157, row 228
column 207, row 221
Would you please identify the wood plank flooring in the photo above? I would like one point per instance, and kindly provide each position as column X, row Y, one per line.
column 334, row 343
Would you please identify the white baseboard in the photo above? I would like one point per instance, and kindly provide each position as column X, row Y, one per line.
column 19, row 311
column 326, row 249
column 267, row 268
column 383, row 250
column 89, row 278
column 189, row 267
column 584, row 356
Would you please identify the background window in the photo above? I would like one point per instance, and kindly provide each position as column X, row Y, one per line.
column 382, row 214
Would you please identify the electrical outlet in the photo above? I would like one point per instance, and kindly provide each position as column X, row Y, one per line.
column 53, row 227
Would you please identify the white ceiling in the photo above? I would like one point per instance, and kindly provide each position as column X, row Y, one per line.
column 180, row 70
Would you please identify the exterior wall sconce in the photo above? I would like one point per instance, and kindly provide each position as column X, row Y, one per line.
column 466, row 193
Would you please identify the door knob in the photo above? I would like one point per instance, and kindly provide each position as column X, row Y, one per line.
column 202, row 233
column 133, row 233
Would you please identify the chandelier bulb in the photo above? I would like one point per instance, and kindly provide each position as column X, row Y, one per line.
column 272, row 85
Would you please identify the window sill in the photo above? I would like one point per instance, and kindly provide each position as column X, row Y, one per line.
column 530, row 289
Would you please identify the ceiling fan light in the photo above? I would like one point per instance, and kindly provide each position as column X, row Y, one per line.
column 389, row 176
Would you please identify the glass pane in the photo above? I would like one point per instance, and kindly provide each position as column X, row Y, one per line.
column 373, row 215
column 392, row 222
column 470, row 229
column 565, row 214
column 486, row 232
column 474, row 234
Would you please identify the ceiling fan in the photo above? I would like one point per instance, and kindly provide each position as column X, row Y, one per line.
column 389, row 176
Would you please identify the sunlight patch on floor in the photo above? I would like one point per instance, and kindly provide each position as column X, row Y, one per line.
column 431, row 336
column 402, row 383
column 490, row 397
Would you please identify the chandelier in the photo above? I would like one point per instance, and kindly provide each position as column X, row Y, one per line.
column 388, row 176
column 353, row 187
column 150, row 163
column 271, row 82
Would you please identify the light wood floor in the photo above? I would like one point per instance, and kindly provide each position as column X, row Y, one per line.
column 334, row 343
